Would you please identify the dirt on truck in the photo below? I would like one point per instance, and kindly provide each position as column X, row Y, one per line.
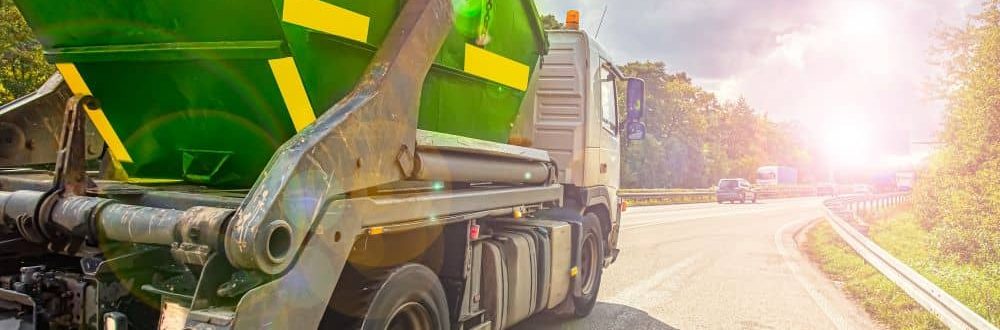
column 422, row 164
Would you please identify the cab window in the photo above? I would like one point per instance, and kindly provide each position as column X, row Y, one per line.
column 609, row 102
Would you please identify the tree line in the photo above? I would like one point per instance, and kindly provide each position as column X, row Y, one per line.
column 958, row 195
column 694, row 139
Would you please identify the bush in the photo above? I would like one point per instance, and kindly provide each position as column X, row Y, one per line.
column 958, row 196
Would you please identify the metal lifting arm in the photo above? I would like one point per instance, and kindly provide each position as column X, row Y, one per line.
column 365, row 140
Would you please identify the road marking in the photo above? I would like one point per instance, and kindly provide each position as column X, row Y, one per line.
column 682, row 213
column 649, row 284
column 669, row 220
column 676, row 208
column 820, row 300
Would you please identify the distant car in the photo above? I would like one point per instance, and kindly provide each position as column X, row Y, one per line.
column 862, row 189
column 733, row 190
column 826, row 189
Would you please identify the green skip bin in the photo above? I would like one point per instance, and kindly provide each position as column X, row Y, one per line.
column 205, row 91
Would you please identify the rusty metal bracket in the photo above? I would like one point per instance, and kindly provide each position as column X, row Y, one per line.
column 70, row 179
column 71, row 168
column 70, row 176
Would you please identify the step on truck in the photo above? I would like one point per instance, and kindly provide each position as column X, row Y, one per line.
column 299, row 164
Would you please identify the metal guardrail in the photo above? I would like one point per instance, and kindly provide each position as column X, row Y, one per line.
column 708, row 195
column 670, row 196
column 844, row 215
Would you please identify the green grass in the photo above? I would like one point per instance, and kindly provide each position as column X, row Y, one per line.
column 900, row 233
column 886, row 303
column 976, row 286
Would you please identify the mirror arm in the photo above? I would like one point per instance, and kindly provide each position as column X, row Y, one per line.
column 618, row 73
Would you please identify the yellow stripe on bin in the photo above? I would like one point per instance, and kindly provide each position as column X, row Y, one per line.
column 326, row 18
column 78, row 86
column 488, row 65
column 293, row 92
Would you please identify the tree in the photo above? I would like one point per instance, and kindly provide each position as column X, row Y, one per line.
column 958, row 196
column 22, row 67
column 692, row 140
column 550, row 22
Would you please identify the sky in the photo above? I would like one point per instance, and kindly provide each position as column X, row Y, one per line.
column 830, row 65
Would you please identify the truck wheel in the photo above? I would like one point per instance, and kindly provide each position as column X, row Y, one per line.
column 591, row 265
column 743, row 199
column 410, row 297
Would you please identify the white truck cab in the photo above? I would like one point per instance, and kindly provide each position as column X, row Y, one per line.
column 577, row 110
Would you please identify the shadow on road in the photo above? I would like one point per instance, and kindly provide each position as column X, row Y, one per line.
column 604, row 316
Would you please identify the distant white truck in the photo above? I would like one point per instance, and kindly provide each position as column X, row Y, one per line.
column 777, row 175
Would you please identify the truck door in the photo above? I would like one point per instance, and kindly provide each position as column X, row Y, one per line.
column 609, row 167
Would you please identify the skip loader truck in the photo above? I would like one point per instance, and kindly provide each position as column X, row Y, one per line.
column 302, row 164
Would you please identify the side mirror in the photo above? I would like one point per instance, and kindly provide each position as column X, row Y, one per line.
column 635, row 130
column 635, row 105
column 635, row 99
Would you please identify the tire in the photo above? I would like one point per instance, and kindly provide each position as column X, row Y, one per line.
column 409, row 297
column 743, row 199
column 591, row 265
column 754, row 199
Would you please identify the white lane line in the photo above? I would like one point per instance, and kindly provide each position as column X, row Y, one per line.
column 821, row 301
column 668, row 219
column 689, row 211
column 647, row 286
column 633, row 217
column 670, row 208
column 705, row 206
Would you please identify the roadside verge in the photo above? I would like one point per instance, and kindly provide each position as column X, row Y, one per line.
column 879, row 296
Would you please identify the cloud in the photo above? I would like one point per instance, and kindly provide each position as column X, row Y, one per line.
column 797, row 60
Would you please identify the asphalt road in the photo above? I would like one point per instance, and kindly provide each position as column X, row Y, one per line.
column 711, row 266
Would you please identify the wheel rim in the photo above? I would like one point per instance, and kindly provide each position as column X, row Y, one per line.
column 411, row 315
column 588, row 262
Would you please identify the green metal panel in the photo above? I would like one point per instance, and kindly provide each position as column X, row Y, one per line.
column 187, row 87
